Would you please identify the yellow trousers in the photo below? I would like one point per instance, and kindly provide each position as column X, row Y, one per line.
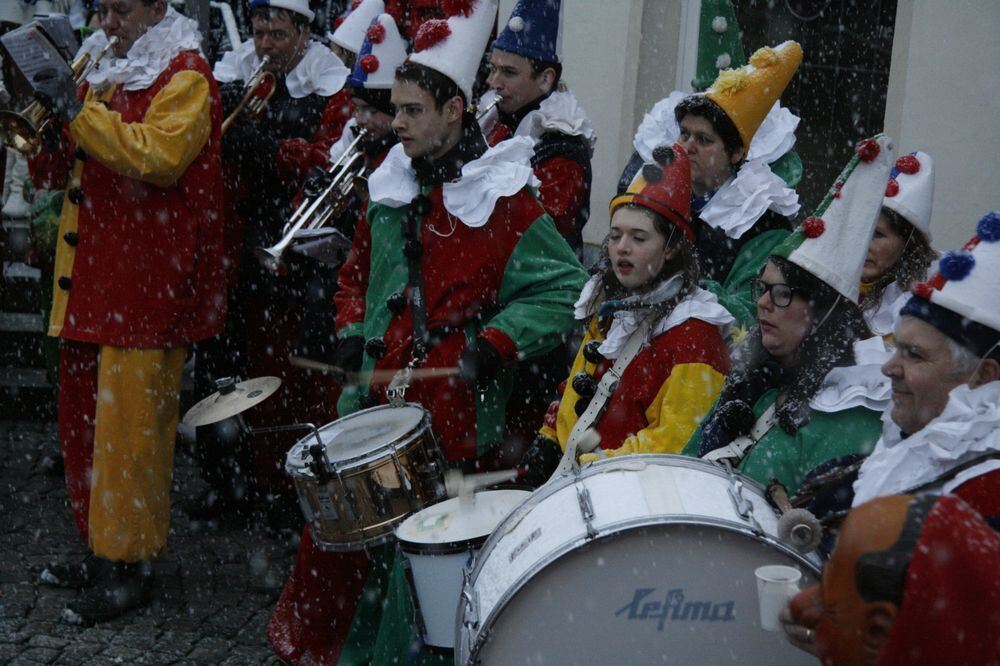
column 138, row 393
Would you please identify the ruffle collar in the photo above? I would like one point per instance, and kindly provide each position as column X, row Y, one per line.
column 559, row 112
column 149, row 56
column 967, row 428
column 882, row 319
column 774, row 137
column 501, row 171
column 699, row 304
column 320, row 71
column 742, row 200
column 858, row 385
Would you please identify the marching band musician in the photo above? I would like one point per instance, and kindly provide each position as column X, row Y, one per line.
column 311, row 619
column 458, row 265
column 525, row 71
column 348, row 36
column 146, row 137
column 673, row 370
column 264, row 158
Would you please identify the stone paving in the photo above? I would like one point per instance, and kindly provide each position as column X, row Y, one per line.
column 214, row 588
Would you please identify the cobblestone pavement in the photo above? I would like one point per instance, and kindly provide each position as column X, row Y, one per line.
column 214, row 588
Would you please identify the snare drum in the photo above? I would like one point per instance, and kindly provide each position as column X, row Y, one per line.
column 438, row 543
column 382, row 464
column 639, row 559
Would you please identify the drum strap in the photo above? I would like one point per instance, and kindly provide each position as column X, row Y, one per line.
column 738, row 449
column 578, row 442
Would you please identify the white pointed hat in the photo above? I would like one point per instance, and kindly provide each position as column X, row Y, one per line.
column 832, row 243
column 910, row 191
column 297, row 6
column 350, row 34
column 381, row 53
column 455, row 47
column 968, row 280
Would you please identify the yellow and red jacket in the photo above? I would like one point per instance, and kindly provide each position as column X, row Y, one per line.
column 663, row 395
column 139, row 261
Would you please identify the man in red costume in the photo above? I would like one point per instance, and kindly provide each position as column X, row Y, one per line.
column 913, row 580
column 138, row 278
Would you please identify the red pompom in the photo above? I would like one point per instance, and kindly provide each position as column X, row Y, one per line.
column 908, row 164
column 867, row 150
column 339, row 21
column 355, row 4
column 431, row 33
column 369, row 64
column 892, row 188
column 813, row 227
column 376, row 33
column 923, row 290
column 837, row 186
column 456, row 7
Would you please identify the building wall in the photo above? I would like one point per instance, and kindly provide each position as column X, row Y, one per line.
column 943, row 99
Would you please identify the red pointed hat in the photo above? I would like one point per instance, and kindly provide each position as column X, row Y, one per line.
column 664, row 187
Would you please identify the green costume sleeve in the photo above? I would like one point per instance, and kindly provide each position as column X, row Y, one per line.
column 541, row 282
column 735, row 293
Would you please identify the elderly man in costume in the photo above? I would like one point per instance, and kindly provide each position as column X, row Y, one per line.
column 146, row 134
column 913, row 580
column 265, row 158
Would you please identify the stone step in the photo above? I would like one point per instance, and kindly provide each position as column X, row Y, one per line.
column 21, row 322
column 24, row 378
column 22, row 287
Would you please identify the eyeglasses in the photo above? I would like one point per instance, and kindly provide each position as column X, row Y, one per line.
column 781, row 293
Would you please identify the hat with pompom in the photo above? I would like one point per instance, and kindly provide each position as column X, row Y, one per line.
column 664, row 187
column 832, row 243
column 533, row 30
column 719, row 44
column 910, row 190
column 748, row 93
column 455, row 46
column 381, row 53
column 966, row 285
column 297, row 6
column 350, row 34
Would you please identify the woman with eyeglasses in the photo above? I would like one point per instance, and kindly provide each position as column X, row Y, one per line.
column 805, row 394
column 900, row 251
column 647, row 322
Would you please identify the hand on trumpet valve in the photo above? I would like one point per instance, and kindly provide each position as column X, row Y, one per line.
column 56, row 90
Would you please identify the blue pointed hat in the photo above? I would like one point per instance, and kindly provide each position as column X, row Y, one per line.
column 532, row 30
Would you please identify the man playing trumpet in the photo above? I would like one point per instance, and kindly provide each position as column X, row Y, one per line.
column 265, row 155
column 138, row 278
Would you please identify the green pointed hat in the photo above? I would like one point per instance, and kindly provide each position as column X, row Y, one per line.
column 719, row 44
column 833, row 242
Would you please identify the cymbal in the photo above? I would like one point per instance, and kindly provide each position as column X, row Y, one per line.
column 231, row 400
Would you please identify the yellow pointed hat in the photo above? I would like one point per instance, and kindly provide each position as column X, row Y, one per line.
column 748, row 93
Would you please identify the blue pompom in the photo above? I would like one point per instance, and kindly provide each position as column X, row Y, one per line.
column 956, row 265
column 988, row 228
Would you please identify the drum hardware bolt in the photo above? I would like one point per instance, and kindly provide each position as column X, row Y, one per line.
column 319, row 466
column 586, row 510
column 225, row 385
column 743, row 507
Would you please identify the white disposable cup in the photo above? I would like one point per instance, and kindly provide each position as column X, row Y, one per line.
column 776, row 585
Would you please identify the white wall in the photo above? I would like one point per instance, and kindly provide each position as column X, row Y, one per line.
column 943, row 99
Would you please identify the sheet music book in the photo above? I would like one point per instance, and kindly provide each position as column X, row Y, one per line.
column 27, row 51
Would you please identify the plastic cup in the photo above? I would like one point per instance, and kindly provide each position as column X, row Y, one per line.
column 776, row 585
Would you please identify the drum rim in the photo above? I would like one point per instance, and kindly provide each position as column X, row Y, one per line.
column 345, row 464
column 473, row 641
column 443, row 547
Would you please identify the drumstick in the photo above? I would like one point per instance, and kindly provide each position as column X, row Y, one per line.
column 457, row 484
column 377, row 376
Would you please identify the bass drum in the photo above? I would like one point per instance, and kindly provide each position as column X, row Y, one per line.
column 640, row 559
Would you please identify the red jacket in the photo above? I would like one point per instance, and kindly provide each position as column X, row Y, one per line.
column 144, row 268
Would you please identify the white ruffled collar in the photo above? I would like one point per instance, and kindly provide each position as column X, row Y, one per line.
column 320, row 71
column 741, row 201
column 559, row 112
column 882, row 319
column 149, row 56
column 858, row 385
column 699, row 304
column 774, row 137
column 501, row 171
column 967, row 428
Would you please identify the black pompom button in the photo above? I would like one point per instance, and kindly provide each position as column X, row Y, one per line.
column 396, row 303
column 663, row 155
column 81, row 154
column 584, row 384
column 64, row 283
column 413, row 249
column 581, row 406
column 591, row 353
column 421, row 205
column 376, row 347
column 652, row 173
column 75, row 195
column 71, row 238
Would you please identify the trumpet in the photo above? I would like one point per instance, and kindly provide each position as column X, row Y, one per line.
column 481, row 113
column 349, row 173
column 257, row 93
column 22, row 130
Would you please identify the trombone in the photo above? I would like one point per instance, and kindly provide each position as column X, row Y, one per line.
column 317, row 209
column 22, row 130
column 257, row 93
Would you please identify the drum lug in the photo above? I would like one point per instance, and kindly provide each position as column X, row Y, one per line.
column 470, row 619
column 740, row 503
column 586, row 510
